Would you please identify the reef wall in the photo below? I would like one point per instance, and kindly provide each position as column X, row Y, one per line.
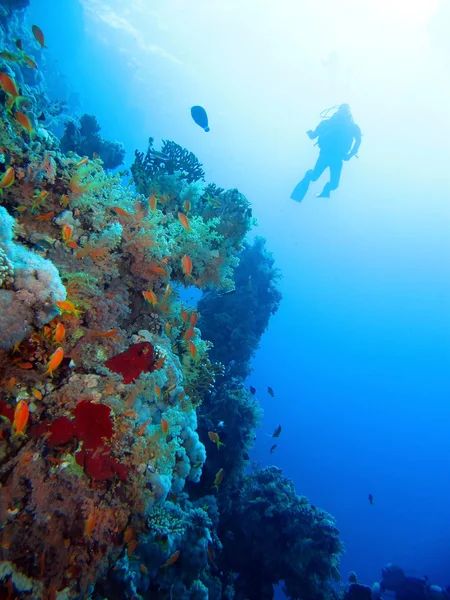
column 112, row 481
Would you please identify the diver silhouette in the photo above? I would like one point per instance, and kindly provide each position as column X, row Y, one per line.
column 339, row 139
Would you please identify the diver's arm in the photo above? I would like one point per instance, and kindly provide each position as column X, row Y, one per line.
column 313, row 134
column 357, row 142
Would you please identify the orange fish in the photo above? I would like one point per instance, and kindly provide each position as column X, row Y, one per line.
column 108, row 334
column 153, row 201
column 189, row 334
column 157, row 270
column 64, row 200
column 160, row 362
column 66, row 232
column 39, row 36
column 8, row 178
column 55, row 361
column 186, row 264
column 72, row 244
column 218, row 479
column 157, row 391
column 68, row 307
column 11, row 383
column 128, row 535
column 131, row 547
column 81, row 162
column 10, row 56
column 167, row 291
column 214, row 437
column 187, row 206
column 150, row 296
column 30, row 61
column 25, row 365
column 9, row 85
column 89, row 525
column 60, row 332
column 143, row 427
column 37, row 394
column 193, row 319
column 24, row 121
column 184, row 315
column 164, row 426
column 40, row 196
column 21, row 415
column 193, row 350
column 171, row 560
column 167, row 328
column 143, row 569
column 121, row 212
column 48, row 216
column 184, row 221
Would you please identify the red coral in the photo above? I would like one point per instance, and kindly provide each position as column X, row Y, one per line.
column 92, row 424
column 6, row 411
column 139, row 358
column 100, row 465
column 62, row 430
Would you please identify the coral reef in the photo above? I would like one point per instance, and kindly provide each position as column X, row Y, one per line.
column 111, row 393
column 280, row 537
column 236, row 322
column 84, row 139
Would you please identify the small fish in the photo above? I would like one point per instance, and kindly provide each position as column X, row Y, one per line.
column 48, row 216
column 184, row 221
column 221, row 424
column 72, row 244
column 7, row 180
column 270, row 391
column 21, row 416
column 160, row 363
column 186, row 264
column 9, row 56
column 89, row 525
column 40, row 197
column 24, row 121
column 128, row 535
column 153, row 201
column 167, row 328
column 189, row 334
column 193, row 350
column 67, row 233
column 157, row 391
column 68, row 307
column 184, row 315
column 193, row 320
column 108, row 334
column 60, row 333
column 214, row 437
column 200, row 117
column 370, row 499
column 11, row 383
column 19, row 45
column 171, row 560
column 187, row 206
column 164, row 426
column 82, row 162
column 37, row 394
column 218, row 479
column 272, row 450
column 150, row 296
column 121, row 212
column 210, row 551
column 143, row 427
column 277, row 432
column 143, row 569
column 9, row 85
column 30, row 61
column 25, row 365
column 39, row 36
column 64, row 200
column 157, row 270
column 252, row 390
column 131, row 547
column 55, row 361
column 42, row 116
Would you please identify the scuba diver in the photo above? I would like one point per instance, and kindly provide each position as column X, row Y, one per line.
column 339, row 139
column 393, row 579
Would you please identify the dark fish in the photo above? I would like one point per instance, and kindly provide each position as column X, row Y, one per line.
column 272, row 450
column 200, row 117
column 230, row 292
column 245, row 456
column 19, row 44
column 252, row 390
column 277, row 432
column 270, row 390
column 41, row 117
column 370, row 498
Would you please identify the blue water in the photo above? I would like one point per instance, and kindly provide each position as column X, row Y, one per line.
column 359, row 352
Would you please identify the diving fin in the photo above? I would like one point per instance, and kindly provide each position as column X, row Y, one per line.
column 300, row 190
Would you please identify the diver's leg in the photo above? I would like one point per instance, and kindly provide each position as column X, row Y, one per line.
column 335, row 177
column 312, row 175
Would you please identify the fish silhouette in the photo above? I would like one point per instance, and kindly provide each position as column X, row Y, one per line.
column 200, row 117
